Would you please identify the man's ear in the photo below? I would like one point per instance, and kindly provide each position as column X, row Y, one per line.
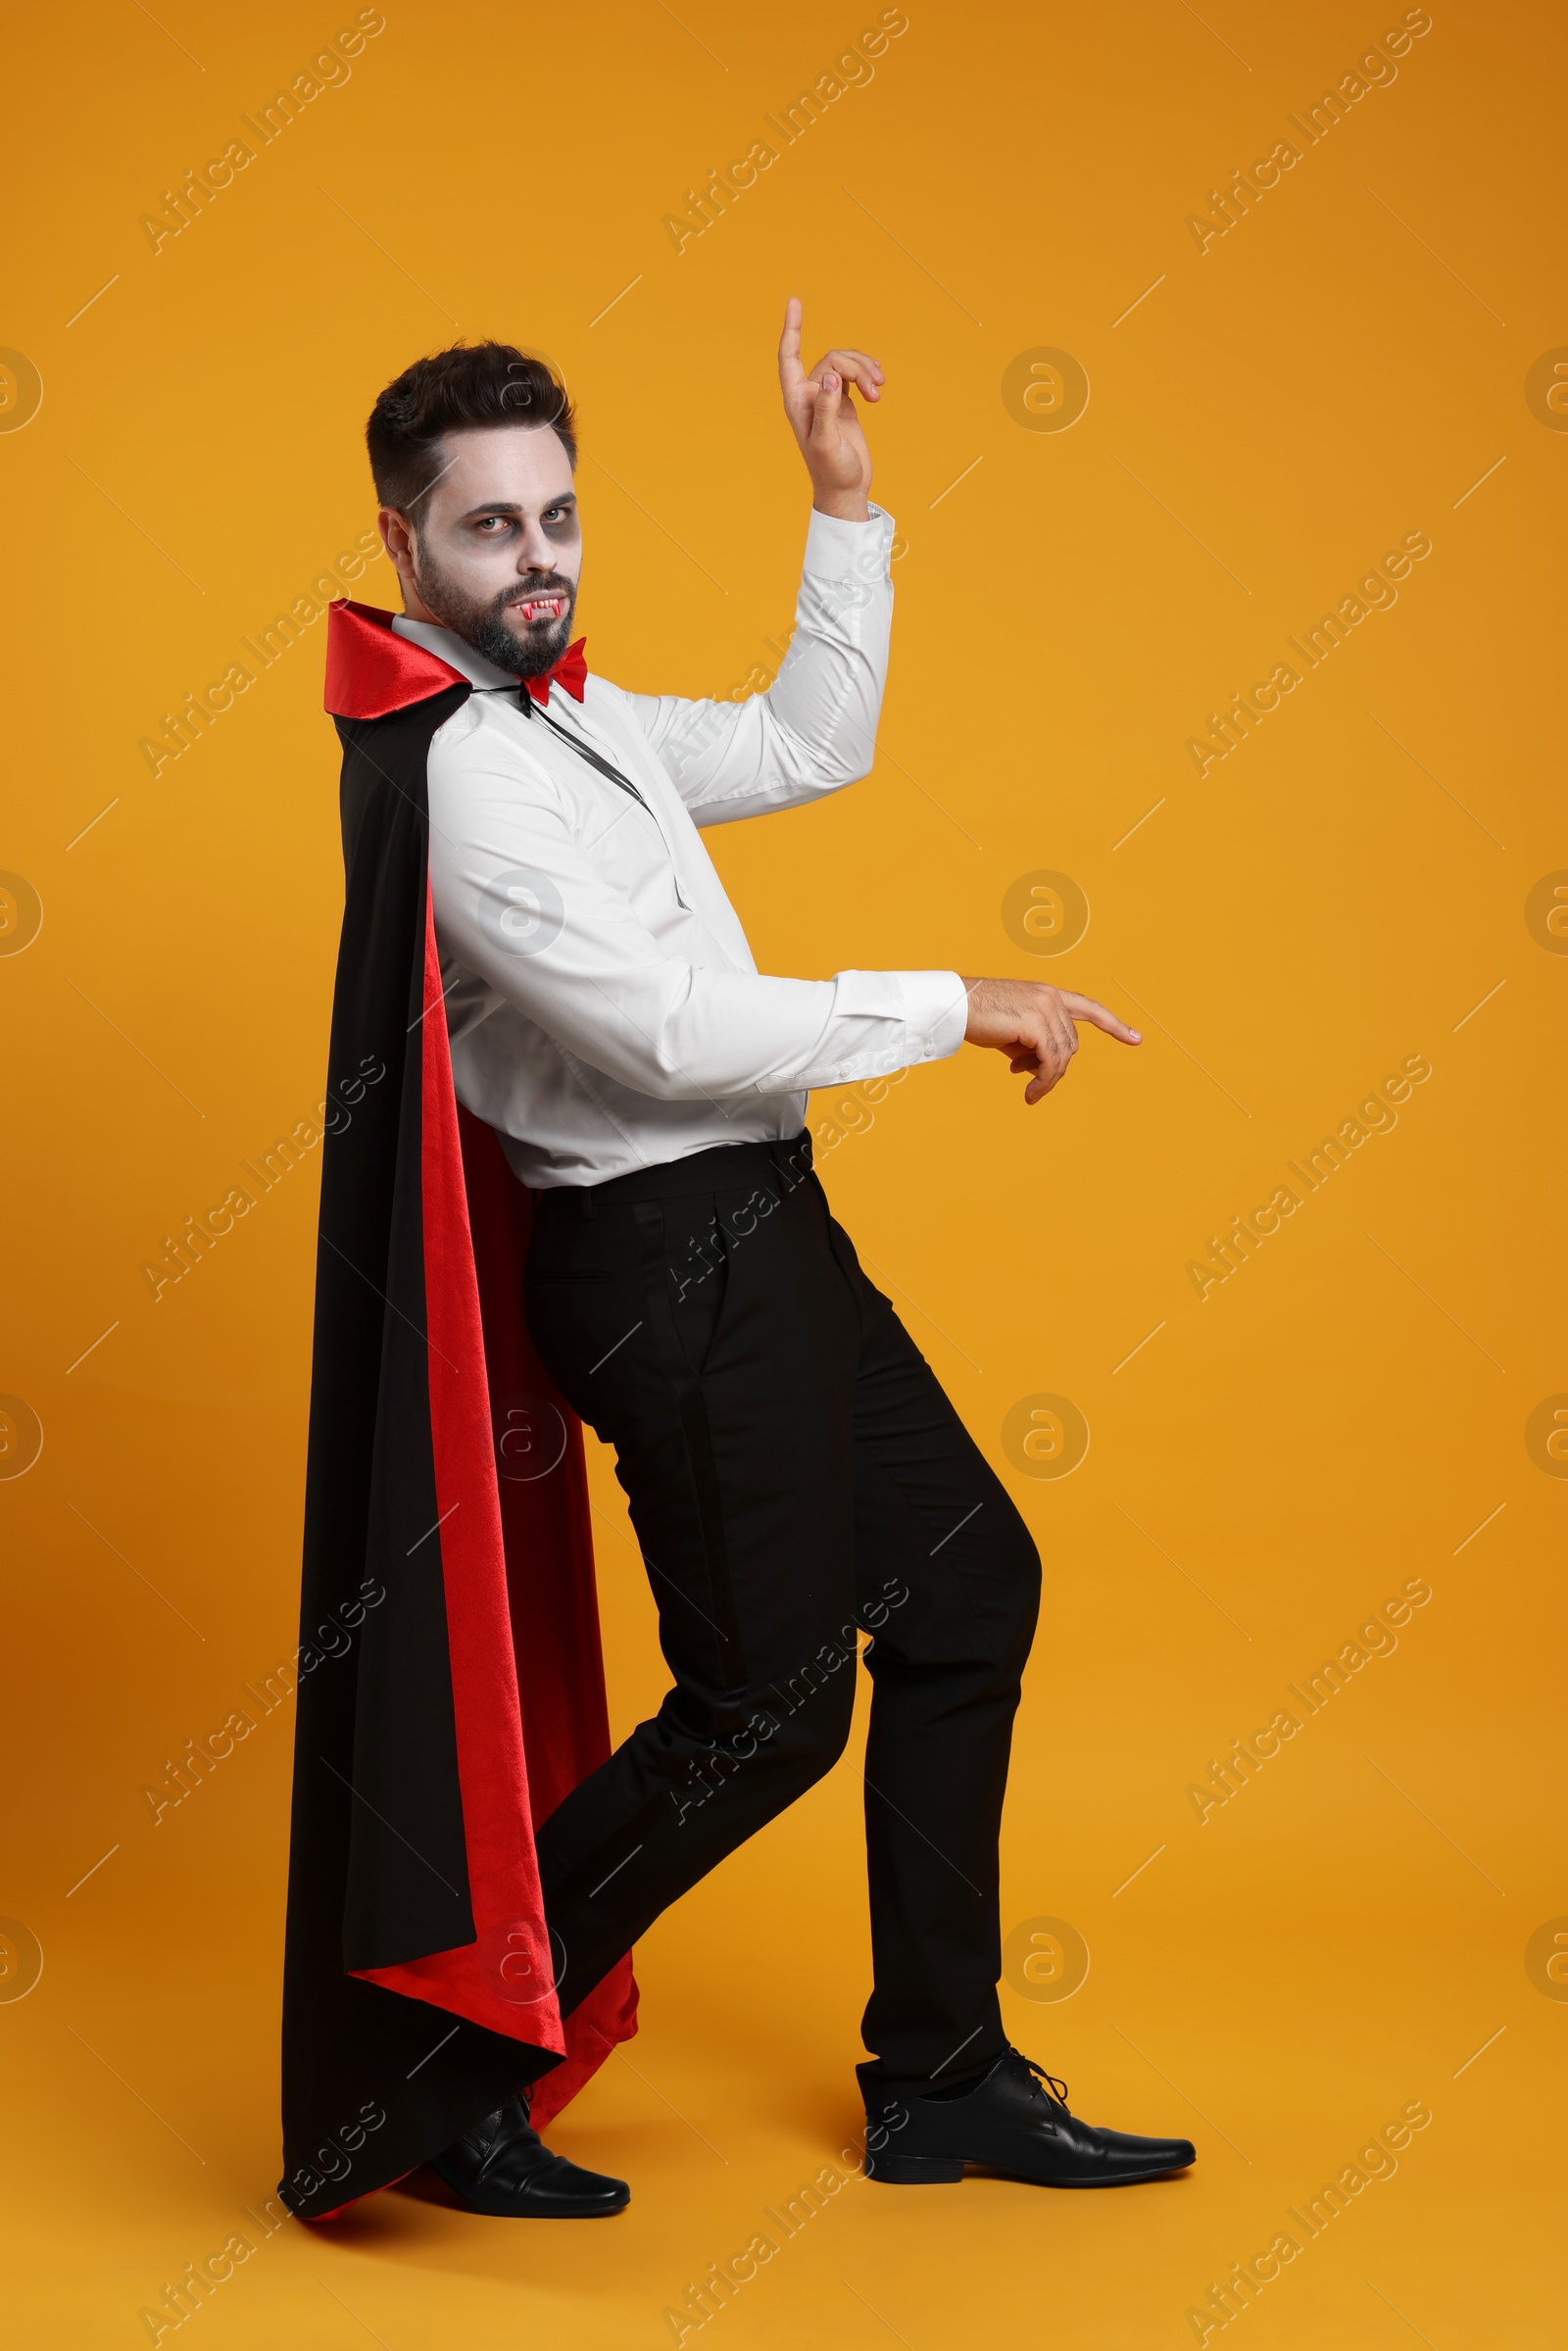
column 397, row 537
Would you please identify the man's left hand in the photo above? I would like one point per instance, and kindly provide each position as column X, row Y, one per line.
column 822, row 415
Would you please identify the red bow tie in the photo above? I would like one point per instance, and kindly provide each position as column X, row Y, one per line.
column 570, row 671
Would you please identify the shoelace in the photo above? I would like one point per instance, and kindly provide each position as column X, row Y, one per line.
column 1049, row 2086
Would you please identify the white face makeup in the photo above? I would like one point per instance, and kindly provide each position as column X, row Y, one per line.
column 492, row 549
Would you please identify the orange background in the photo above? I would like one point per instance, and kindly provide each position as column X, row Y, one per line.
column 1342, row 891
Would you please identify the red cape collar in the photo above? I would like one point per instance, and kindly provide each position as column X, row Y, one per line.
column 372, row 671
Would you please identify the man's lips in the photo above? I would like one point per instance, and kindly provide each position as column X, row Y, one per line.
column 529, row 608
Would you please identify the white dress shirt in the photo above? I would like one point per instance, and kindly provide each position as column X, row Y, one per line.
column 604, row 1007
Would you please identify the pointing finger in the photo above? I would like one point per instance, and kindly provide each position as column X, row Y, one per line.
column 1085, row 1007
column 789, row 346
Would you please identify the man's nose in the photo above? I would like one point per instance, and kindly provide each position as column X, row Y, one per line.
column 536, row 553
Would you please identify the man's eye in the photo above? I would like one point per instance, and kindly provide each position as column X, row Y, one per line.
column 492, row 524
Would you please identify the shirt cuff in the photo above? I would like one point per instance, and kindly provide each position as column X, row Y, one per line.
column 936, row 1012
column 840, row 549
column 932, row 1008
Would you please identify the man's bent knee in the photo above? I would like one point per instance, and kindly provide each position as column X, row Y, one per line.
column 811, row 1714
column 793, row 1733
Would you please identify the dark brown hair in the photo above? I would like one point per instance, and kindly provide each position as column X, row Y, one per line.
column 453, row 391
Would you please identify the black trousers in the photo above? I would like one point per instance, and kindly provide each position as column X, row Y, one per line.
column 794, row 1471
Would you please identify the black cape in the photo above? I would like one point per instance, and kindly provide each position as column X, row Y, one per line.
column 451, row 1685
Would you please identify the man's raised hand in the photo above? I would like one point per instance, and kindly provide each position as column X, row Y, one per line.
column 1034, row 1026
column 822, row 416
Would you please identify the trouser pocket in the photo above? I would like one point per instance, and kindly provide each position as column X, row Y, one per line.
column 682, row 1354
column 696, row 1267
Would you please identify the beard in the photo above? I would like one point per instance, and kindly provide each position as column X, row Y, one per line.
column 483, row 621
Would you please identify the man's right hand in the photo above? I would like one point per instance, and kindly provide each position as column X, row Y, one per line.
column 1034, row 1026
column 823, row 418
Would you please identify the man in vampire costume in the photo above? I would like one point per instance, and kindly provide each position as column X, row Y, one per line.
column 566, row 1179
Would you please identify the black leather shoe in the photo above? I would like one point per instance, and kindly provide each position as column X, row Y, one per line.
column 1014, row 2121
column 501, row 2166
